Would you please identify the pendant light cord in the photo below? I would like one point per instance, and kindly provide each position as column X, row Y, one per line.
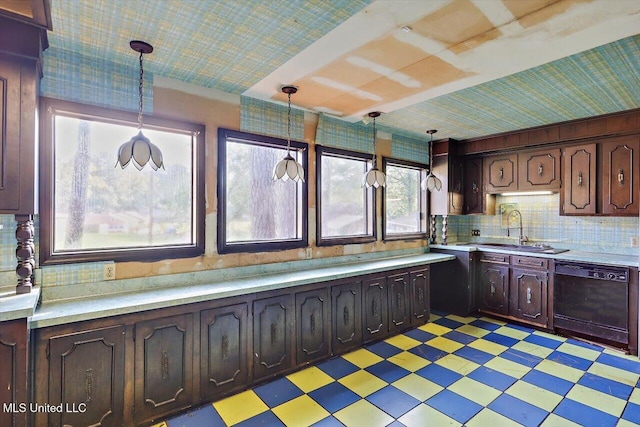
column 289, row 125
column 140, row 94
column 374, row 144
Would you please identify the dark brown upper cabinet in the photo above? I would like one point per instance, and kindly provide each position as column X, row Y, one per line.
column 579, row 183
column 448, row 167
column 474, row 195
column 620, row 183
column 539, row 170
column 501, row 173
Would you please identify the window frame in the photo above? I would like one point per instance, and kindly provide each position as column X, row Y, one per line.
column 332, row 241
column 51, row 107
column 262, row 246
column 423, row 202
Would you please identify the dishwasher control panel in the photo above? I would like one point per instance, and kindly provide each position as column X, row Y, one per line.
column 590, row 271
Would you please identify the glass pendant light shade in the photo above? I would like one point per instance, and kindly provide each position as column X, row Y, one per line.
column 374, row 177
column 288, row 168
column 139, row 149
column 431, row 182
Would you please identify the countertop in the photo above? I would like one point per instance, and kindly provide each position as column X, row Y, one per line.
column 67, row 311
column 19, row 306
column 577, row 256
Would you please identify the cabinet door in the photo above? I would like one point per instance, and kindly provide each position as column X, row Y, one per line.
column 529, row 295
column 346, row 317
column 501, row 173
column 13, row 370
column 456, row 186
column 272, row 336
column 224, row 358
column 399, row 301
column 86, row 371
column 539, row 170
column 312, row 325
column 163, row 366
column 620, row 176
column 419, row 280
column 473, row 192
column 579, row 184
column 494, row 288
column 374, row 310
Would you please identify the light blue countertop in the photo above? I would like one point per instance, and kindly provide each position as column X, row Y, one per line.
column 576, row 256
column 19, row 306
column 75, row 310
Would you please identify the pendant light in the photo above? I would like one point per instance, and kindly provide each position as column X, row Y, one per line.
column 374, row 177
column 288, row 168
column 431, row 182
column 139, row 148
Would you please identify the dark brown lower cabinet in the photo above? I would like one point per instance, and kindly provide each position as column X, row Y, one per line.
column 374, row 310
column 528, row 290
column 494, row 288
column 13, row 370
column 346, row 316
column 163, row 366
column 223, row 350
column 399, row 302
column 86, row 373
column 419, row 280
column 272, row 336
column 312, row 325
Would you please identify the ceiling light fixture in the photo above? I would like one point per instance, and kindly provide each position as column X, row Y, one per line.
column 374, row 177
column 431, row 182
column 139, row 148
column 288, row 168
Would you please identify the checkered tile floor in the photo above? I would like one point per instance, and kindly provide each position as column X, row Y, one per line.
column 452, row 371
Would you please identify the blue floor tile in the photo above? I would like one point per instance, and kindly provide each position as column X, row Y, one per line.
column 277, row 392
column 330, row 421
column 455, row 406
column 383, row 349
column 631, row 413
column 205, row 416
column 520, row 328
column 518, row 410
column 393, row 401
column 585, row 345
column 396, row 423
column 460, row 337
column 583, row 414
column 570, row 360
column 485, row 325
column 265, row 419
column 521, row 357
column 334, row 396
column 543, row 341
column 419, row 335
column 448, row 323
column 619, row 362
column 492, row 378
column 427, row 352
column 500, row 339
column 439, row 375
column 606, row 385
column 478, row 356
column 338, row 367
column 548, row 382
column 387, row 371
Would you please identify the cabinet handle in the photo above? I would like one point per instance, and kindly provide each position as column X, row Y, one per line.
column 312, row 321
column 620, row 177
column 374, row 308
column 165, row 365
column 492, row 289
column 540, row 170
column 528, row 295
column 420, row 296
column 88, row 378
column 580, row 179
column 399, row 299
column 345, row 315
column 474, row 187
column 273, row 334
column 501, row 174
column 224, row 346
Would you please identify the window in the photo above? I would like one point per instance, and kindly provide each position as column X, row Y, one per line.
column 256, row 213
column 345, row 210
column 405, row 204
column 92, row 210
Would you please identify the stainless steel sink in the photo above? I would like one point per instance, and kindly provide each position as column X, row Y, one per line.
column 543, row 249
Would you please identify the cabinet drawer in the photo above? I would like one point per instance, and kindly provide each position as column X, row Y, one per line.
column 495, row 258
column 531, row 262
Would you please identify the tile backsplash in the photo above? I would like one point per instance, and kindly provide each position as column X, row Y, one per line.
column 541, row 222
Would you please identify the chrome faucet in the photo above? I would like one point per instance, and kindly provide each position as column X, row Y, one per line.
column 522, row 239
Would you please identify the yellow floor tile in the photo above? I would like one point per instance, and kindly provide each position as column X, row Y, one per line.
column 554, row 420
column 240, row 407
column 625, row 423
column 162, row 424
column 561, row 371
column 508, row 367
column 576, row 350
column 362, row 383
column 310, row 379
column 596, row 399
column 460, row 319
column 495, row 321
column 457, row 364
column 409, row 361
column 362, row 358
column 445, row 344
column 550, row 336
column 474, row 391
column 404, row 342
column 301, row 411
column 534, row 395
column 418, row 387
column 533, row 349
column 363, row 413
column 635, row 396
column 424, row 415
column 487, row 417
column 616, row 374
column 434, row 317
column 473, row 331
column 513, row 333
column 432, row 328
column 488, row 346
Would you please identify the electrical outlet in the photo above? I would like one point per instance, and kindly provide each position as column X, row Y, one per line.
column 475, row 233
column 634, row 241
column 109, row 271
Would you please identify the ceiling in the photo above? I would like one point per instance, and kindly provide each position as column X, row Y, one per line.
column 468, row 68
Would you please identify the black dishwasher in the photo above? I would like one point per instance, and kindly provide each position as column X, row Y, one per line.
column 592, row 300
